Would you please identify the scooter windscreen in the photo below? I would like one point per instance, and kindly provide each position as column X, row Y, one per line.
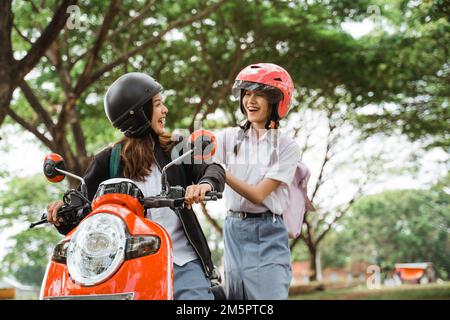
column 119, row 185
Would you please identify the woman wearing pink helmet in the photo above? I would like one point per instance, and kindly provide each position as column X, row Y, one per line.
column 258, row 172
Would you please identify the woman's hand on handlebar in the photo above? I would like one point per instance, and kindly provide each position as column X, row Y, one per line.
column 196, row 193
column 52, row 209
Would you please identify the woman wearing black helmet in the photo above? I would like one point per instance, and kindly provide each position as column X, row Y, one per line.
column 134, row 104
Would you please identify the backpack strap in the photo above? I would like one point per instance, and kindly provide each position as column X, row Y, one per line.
column 114, row 160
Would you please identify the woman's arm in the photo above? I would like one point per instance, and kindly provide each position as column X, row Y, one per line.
column 255, row 194
column 196, row 193
column 281, row 172
column 213, row 174
column 96, row 172
column 203, row 178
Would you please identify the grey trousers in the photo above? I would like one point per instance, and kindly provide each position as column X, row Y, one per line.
column 257, row 259
column 190, row 282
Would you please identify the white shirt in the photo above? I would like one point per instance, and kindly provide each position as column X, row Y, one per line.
column 183, row 252
column 257, row 159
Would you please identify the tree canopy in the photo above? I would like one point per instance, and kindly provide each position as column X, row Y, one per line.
column 56, row 66
column 399, row 226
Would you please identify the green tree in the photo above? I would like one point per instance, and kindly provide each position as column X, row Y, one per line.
column 407, row 72
column 345, row 168
column 30, row 250
column 27, row 260
column 14, row 69
column 68, row 85
column 189, row 46
column 384, row 82
column 395, row 227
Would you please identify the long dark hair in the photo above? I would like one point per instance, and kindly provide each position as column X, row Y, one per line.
column 137, row 156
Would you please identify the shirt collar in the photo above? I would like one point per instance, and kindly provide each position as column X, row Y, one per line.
column 266, row 136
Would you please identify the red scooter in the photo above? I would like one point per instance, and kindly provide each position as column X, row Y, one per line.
column 113, row 252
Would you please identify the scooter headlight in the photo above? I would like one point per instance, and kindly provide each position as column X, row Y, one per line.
column 97, row 249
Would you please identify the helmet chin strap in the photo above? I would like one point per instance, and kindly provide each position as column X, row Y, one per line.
column 139, row 132
column 144, row 128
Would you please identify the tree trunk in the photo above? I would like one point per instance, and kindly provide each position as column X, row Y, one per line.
column 312, row 262
column 13, row 71
column 6, row 57
column 318, row 267
column 5, row 98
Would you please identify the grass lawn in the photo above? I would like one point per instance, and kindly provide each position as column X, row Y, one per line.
column 404, row 292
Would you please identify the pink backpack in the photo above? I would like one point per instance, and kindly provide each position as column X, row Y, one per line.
column 298, row 203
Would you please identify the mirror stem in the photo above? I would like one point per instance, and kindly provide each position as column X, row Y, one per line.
column 164, row 183
column 83, row 183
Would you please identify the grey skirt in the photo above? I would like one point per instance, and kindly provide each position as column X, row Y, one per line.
column 257, row 258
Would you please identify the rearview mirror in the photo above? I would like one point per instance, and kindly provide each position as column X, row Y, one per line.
column 204, row 144
column 52, row 162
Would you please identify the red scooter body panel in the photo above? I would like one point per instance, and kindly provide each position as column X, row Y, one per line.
column 147, row 277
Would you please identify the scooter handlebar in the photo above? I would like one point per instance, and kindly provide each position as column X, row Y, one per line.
column 213, row 195
column 161, row 201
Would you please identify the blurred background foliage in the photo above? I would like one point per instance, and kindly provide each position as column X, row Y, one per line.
column 391, row 81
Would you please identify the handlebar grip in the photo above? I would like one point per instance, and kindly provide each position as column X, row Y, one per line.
column 155, row 202
column 34, row 224
column 43, row 220
column 213, row 194
column 151, row 202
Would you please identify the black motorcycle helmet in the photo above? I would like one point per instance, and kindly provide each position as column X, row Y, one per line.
column 128, row 103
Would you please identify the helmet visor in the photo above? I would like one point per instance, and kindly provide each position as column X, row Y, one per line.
column 273, row 94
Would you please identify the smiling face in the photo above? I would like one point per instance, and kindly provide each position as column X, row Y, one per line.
column 256, row 107
column 159, row 114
